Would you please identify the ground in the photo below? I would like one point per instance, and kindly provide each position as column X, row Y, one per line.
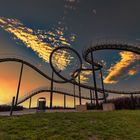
column 116, row 125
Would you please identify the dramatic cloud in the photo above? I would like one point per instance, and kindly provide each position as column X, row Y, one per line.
column 34, row 40
column 84, row 76
column 121, row 67
column 43, row 43
column 132, row 72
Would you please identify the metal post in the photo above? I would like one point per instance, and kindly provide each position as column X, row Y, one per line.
column 64, row 101
column 30, row 101
column 12, row 106
column 51, row 93
column 19, row 82
column 80, row 102
column 103, row 84
column 94, row 79
column 91, row 96
column 74, row 95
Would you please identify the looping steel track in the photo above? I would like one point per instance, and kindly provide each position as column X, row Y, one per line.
column 86, row 53
column 20, row 60
column 110, row 46
column 10, row 59
column 55, row 90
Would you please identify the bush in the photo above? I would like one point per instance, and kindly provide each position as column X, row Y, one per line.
column 126, row 102
column 8, row 108
column 91, row 106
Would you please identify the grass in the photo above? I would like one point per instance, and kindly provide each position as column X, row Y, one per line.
column 117, row 125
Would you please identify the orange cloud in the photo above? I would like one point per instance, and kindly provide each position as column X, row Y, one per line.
column 84, row 76
column 127, row 59
column 42, row 49
column 132, row 72
column 32, row 41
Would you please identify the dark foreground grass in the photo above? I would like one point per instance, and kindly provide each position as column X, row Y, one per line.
column 117, row 125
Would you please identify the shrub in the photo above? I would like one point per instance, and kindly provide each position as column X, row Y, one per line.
column 8, row 108
column 126, row 102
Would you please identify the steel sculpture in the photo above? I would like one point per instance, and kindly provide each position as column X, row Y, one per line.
column 74, row 72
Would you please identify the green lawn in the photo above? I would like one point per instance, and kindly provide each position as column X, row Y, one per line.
column 117, row 125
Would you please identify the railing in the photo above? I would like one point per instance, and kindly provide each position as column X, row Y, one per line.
column 47, row 89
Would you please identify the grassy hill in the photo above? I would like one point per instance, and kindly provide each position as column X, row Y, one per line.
column 117, row 125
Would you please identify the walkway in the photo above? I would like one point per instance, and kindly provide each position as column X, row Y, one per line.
column 33, row 111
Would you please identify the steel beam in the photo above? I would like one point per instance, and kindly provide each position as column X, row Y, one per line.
column 94, row 79
column 51, row 93
column 30, row 102
column 64, row 101
column 91, row 96
column 74, row 95
column 102, row 81
column 19, row 83
column 12, row 106
column 80, row 101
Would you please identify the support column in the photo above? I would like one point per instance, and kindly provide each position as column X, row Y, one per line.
column 91, row 96
column 30, row 102
column 94, row 79
column 12, row 106
column 94, row 97
column 74, row 95
column 64, row 101
column 80, row 102
column 51, row 93
column 19, row 83
column 103, row 85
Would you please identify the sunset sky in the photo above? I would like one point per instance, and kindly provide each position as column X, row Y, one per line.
column 33, row 28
